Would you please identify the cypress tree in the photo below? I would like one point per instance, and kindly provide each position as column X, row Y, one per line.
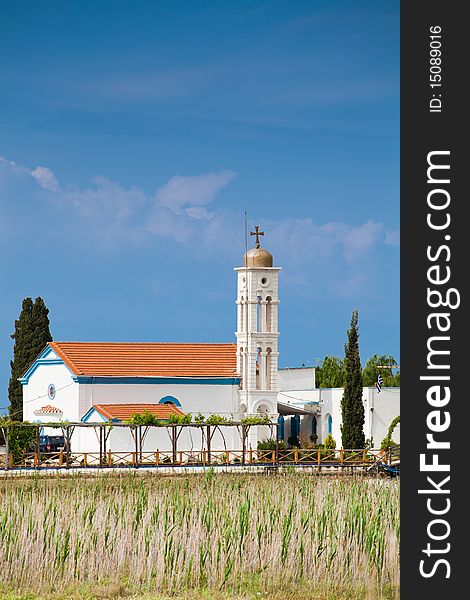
column 31, row 335
column 352, row 407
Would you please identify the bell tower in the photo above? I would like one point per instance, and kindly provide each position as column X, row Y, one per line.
column 257, row 330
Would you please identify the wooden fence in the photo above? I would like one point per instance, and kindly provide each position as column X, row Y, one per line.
column 362, row 459
column 66, row 458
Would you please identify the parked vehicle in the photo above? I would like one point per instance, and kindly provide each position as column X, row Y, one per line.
column 385, row 470
column 51, row 443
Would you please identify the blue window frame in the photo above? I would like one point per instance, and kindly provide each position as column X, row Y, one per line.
column 330, row 424
column 280, row 427
column 170, row 400
column 295, row 426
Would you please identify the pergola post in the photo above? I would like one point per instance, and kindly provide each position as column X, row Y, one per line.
column 104, row 442
column 136, row 445
column 244, row 433
column 101, row 444
column 208, row 433
column 67, row 446
column 38, row 447
column 173, row 442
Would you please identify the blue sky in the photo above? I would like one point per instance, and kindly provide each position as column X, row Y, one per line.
column 133, row 135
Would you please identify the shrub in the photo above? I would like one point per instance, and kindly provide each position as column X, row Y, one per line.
column 293, row 441
column 329, row 443
column 20, row 438
column 306, row 441
column 269, row 444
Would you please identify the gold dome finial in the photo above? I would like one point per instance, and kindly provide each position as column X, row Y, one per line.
column 257, row 256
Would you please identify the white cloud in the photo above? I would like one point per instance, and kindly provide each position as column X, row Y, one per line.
column 46, row 178
column 358, row 240
column 197, row 190
column 106, row 214
column 302, row 238
column 106, row 201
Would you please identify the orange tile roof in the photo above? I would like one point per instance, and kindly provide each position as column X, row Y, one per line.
column 122, row 412
column 48, row 410
column 148, row 359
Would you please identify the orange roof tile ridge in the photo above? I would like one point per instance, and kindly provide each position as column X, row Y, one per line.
column 152, row 343
column 101, row 409
column 55, row 346
column 148, row 359
column 109, row 410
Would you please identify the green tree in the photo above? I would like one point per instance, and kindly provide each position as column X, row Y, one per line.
column 331, row 373
column 31, row 335
column 371, row 371
column 352, row 407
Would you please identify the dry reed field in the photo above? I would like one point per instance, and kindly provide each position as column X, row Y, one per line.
column 199, row 536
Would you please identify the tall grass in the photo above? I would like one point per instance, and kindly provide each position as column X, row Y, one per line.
column 191, row 532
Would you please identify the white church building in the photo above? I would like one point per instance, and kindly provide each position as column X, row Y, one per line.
column 96, row 382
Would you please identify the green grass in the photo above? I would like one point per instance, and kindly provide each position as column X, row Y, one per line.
column 199, row 536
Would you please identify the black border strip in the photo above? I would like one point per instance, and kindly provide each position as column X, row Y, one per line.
column 424, row 132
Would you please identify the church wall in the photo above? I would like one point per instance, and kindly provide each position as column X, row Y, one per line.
column 35, row 393
column 194, row 398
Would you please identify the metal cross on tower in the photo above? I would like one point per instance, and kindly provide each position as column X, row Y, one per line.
column 257, row 232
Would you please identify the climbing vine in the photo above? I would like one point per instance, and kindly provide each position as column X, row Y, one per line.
column 387, row 442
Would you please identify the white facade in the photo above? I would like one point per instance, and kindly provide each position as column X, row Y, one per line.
column 380, row 408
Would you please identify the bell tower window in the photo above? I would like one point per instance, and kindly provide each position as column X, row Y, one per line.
column 259, row 326
column 269, row 315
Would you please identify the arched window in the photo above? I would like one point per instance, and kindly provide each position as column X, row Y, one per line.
column 268, row 369
column 258, row 314
column 258, row 368
column 329, row 423
column 242, row 314
column 314, row 425
column 245, row 368
column 170, row 400
column 269, row 313
column 280, row 427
